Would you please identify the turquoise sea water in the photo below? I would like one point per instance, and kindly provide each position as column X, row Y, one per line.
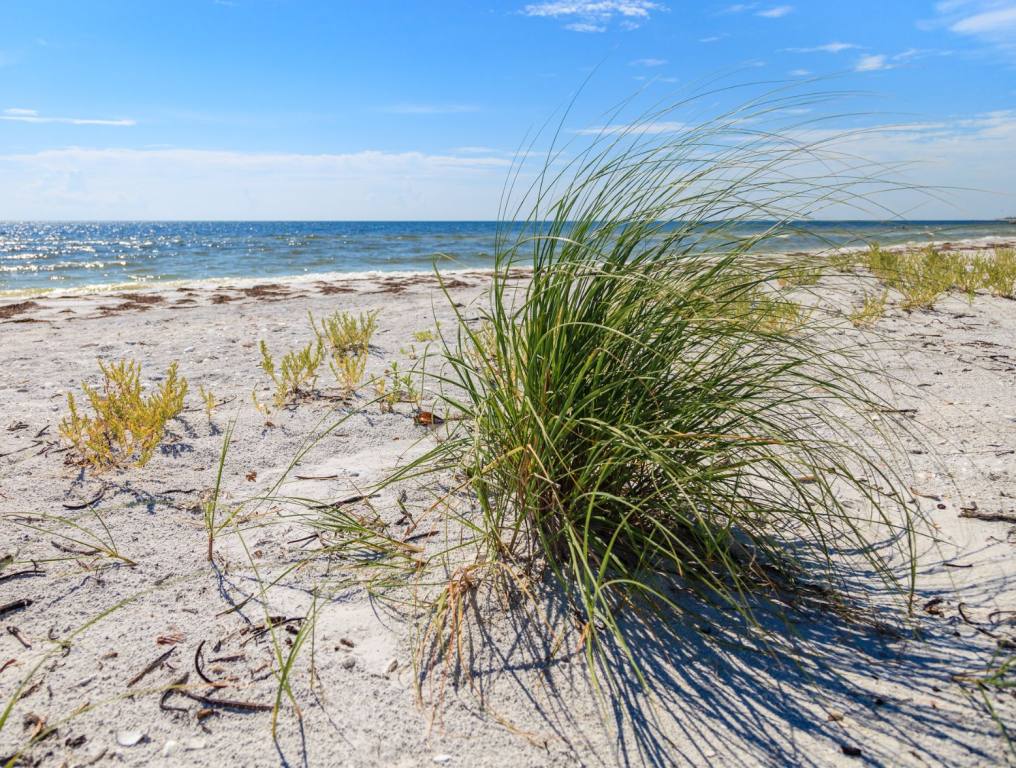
column 36, row 256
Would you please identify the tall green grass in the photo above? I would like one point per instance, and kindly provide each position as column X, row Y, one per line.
column 640, row 416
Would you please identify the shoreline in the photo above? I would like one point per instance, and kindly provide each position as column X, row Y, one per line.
column 90, row 289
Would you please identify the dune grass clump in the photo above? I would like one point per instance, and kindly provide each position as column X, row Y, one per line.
column 125, row 426
column 648, row 417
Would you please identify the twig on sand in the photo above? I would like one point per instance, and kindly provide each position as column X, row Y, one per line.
column 201, row 673
column 16, row 634
column 73, row 551
column 22, row 574
column 13, row 607
column 922, row 495
column 87, row 504
column 345, row 501
column 991, row 517
column 169, row 692
column 151, row 667
column 177, row 687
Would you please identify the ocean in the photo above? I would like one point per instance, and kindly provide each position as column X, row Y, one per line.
column 46, row 256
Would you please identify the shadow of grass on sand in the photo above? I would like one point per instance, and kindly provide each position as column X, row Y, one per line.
column 822, row 687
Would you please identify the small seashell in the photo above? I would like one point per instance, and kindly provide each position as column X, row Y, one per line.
column 129, row 738
column 392, row 666
column 170, row 747
column 441, row 759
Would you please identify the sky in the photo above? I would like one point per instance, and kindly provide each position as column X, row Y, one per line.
column 404, row 109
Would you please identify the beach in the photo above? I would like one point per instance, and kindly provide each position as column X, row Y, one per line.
column 132, row 542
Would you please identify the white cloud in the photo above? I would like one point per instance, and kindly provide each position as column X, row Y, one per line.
column 647, row 63
column 800, row 72
column 475, row 150
column 988, row 22
column 81, row 183
column 772, row 12
column 872, row 63
column 775, row 13
column 595, row 15
column 711, row 38
column 992, row 22
column 835, row 47
column 650, row 128
column 430, row 109
column 966, row 161
column 18, row 115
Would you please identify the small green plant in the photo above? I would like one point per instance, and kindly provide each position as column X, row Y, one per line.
column 968, row 274
column 923, row 277
column 210, row 401
column 884, row 265
column 395, row 387
column 349, row 370
column 210, row 508
column 125, row 425
column 845, row 260
column 424, row 336
column 1000, row 273
column 762, row 309
column 345, row 333
column 800, row 274
column 347, row 338
column 870, row 311
column 296, row 373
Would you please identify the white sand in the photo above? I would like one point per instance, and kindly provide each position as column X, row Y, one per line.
column 893, row 698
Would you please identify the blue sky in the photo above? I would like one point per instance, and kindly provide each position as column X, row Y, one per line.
column 380, row 109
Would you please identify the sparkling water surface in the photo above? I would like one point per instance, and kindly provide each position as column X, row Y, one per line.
column 37, row 256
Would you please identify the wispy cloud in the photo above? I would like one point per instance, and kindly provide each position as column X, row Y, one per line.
column 880, row 61
column 990, row 22
column 595, row 15
column 834, row 47
column 766, row 12
column 647, row 63
column 777, row 12
column 475, row 150
column 712, row 38
column 83, row 183
column 649, row 128
column 430, row 109
column 872, row 63
column 16, row 115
